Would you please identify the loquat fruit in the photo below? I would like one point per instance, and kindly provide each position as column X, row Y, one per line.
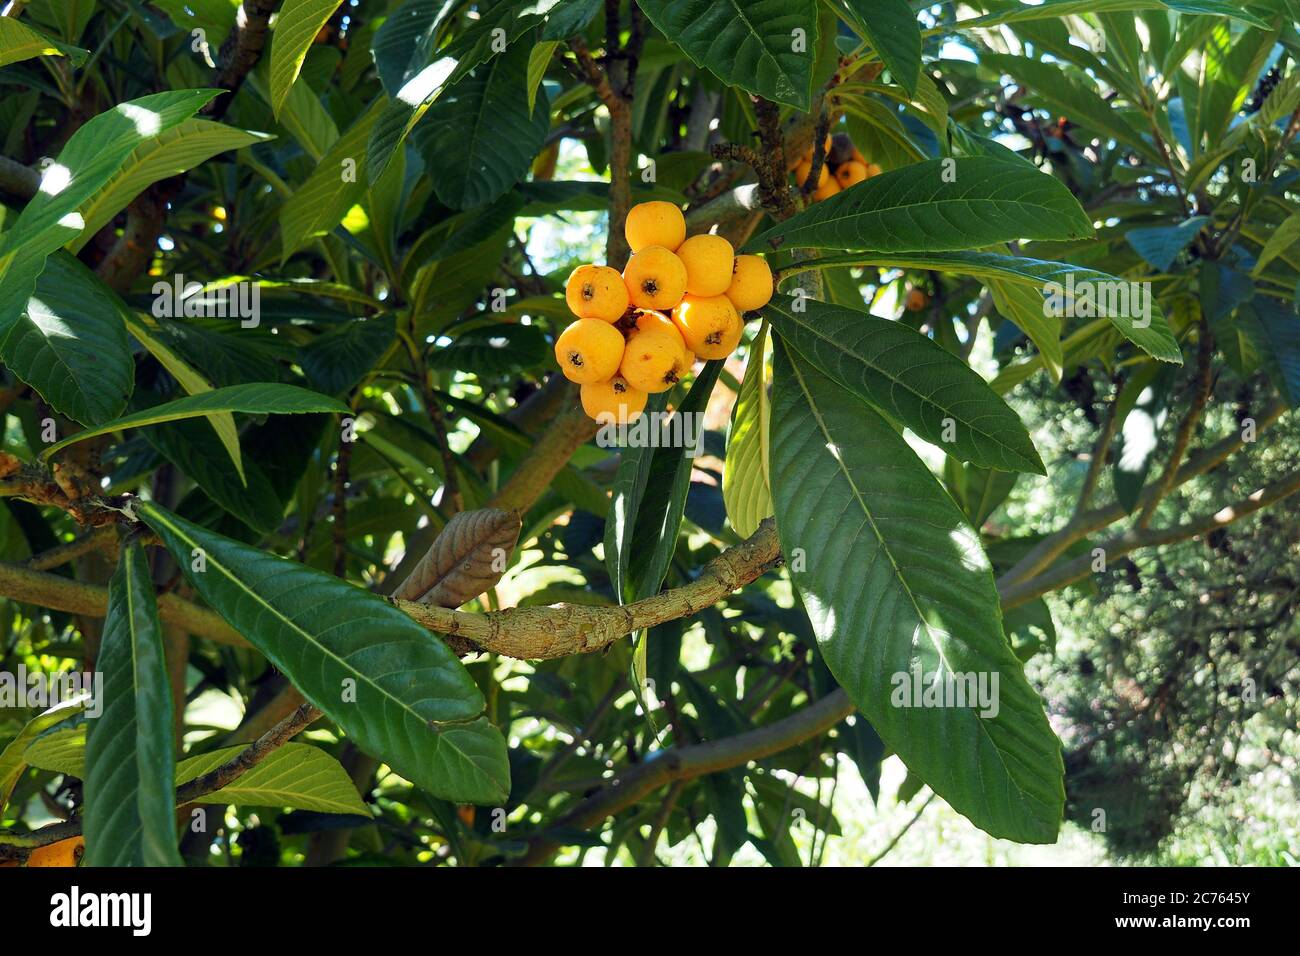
column 64, row 853
column 916, row 300
column 655, row 357
column 596, row 292
column 751, row 283
column 655, row 223
column 804, row 168
column 655, row 279
column 873, row 170
column 708, row 261
column 850, row 174
column 589, row 350
column 710, row 325
column 826, row 190
column 613, row 400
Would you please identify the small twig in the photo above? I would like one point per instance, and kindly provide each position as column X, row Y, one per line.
column 901, row 833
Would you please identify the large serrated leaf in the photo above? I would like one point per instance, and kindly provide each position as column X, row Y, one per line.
column 480, row 137
column 893, row 577
column 70, row 343
column 261, row 398
column 130, row 753
column 298, row 776
column 169, row 154
column 745, row 488
column 911, row 378
column 1021, row 13
column 746, row 43
column 936, row 206
column 1038, row 293
column 891, row 28
column 295, row 29
column 334, row 186
column 394, row 688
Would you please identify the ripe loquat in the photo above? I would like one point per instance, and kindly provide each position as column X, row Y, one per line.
column 708, row 261
column 596, row 292
column 710, row 325
column 655, row 357
column 804, row 167
column 850, row 174
column 655, row 279
column 751, row 283
column 654, row 224
column 64, row 853
column 826, row 190
column 589, row 350
column 613, row 400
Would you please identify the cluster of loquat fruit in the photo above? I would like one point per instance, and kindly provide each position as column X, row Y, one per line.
column 842, row 166
column 640, row 331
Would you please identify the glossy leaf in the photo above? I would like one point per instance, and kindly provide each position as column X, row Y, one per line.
column 295, row 30
column 911, row 378
column 891, row 28
column 298, row 776
column 261, row 398
column 745, row 487
column 13, row 759
column 745, row 43
column 893, row 578
column 130, row 764
column 394, row 688
column 935, row 206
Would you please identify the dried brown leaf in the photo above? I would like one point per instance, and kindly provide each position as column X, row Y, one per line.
column 466, row 559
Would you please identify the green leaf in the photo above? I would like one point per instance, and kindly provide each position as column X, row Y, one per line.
column 745, row 43
column 262, row 398
column 298, row 776
column 569, row 17
column 169, row 154
column 910, row 377
column 20, row 42
column 130, row 751
column 92, row 155
column 223, row 423
column 339, row 359
column 493, row 349
column 1282, row 239
column 890, row 27
column 70, row 343
column 455, row 60
column 1020, row 13
column 1047, row 290
column 334, row 187
column 13, row 759
column 480, row 138
column 745, row 488
column 62, row 748
column 1022, row 304
column 1279, row 339
column 539, row 58
column 402, row 42
column 668, row 479
column 393, row 687
column 1161, row 245
column 295, row 29
column 892, row 576
column 935, row 206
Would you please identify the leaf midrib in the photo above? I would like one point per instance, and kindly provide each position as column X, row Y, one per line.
column 898, row 576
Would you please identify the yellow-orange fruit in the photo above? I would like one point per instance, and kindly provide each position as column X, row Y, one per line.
column 596, row 292
column 916, row 300
column 655, row 279
column 654, row 224
column 873, row 170
column 64, row 853
column 710, row 325
column 850, row 174
column 751, row 283
column 655, row 357
column 613, row 400
column 589, row 350
column 804, row 167
column 708, row 261
column 826, row 190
